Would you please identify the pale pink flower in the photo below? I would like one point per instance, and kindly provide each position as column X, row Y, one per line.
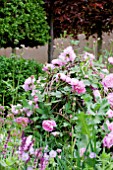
column 30, row 80
column 29, row 84
column 110, row 99
column 31, row 150
column 109, row 125
column 110, row 60
column 96, row 94
column 25, row 156
column 86, row 76
column 30, row 102
column 26, row 87
column 34, row 92
column 61, row 76
column 107, row 82
column 103, row 73
column 29, row 113
column 59, row 150
column 22, row 121
column 52, row 154
column 36, row 106
column 48, row 125
column 82, row 151
column 92, row 155
column 110, row 113
column 58, row 62
column 35, row 99
column 68, row 80
column 68, row 54
column 29, row 168
column 88, row 56
column 108, row 140
column 55, row 133
column 28, row 142
column 78, row 86
column 48, row 67
column 14, row 109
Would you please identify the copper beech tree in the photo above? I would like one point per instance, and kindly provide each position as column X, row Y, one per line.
column 84, row 16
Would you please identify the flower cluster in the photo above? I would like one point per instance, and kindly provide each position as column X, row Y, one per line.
column 66, row 56
column 77, row 86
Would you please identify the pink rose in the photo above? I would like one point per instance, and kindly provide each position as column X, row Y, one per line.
column 78, row 86
column 108, row 140
column 110, row 60
column 110, row 113
column 82, row 151
column 22, row 121
column 110, row 99
column 48, row 125
column 107, row 82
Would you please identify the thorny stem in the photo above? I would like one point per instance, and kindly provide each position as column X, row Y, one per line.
column 60, row 114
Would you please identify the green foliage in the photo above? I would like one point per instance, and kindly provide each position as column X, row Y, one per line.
column 22, row 22
column 13, row 72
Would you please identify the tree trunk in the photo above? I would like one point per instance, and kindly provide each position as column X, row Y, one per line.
column 51, row 41
column 99, row 41
column 14, row 50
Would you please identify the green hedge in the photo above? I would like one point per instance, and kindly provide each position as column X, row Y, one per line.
column 13, row 72
column 22, row 22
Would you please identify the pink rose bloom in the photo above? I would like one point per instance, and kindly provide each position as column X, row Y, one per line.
column 107, row 82
column 110, row 99
column 104, row 72
column 35, row 98
column 68, row 80
column 110, row 60
column 61, row 76
column 48, row 125
column 55, row 133
column 48, row 67
column 82, row 151
column 59, row 150
column 58, row 62
column 68, row 54
column 96, row 94
column 30, row 80
column 29, row 84
column 108, row 140
column 88, row 56
column 25, row 156
column 52, row 154
column 14, row 109
column 110, row 113
column 78, row 86
column 109, row 125
column 92, row 155
column 22, row 121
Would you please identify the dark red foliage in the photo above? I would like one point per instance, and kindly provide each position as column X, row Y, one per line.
column 80, row 16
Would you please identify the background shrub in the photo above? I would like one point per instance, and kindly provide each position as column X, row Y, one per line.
column 13, row 72
column 22, row 22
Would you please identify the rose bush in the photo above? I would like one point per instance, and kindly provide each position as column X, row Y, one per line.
column 69, row 108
